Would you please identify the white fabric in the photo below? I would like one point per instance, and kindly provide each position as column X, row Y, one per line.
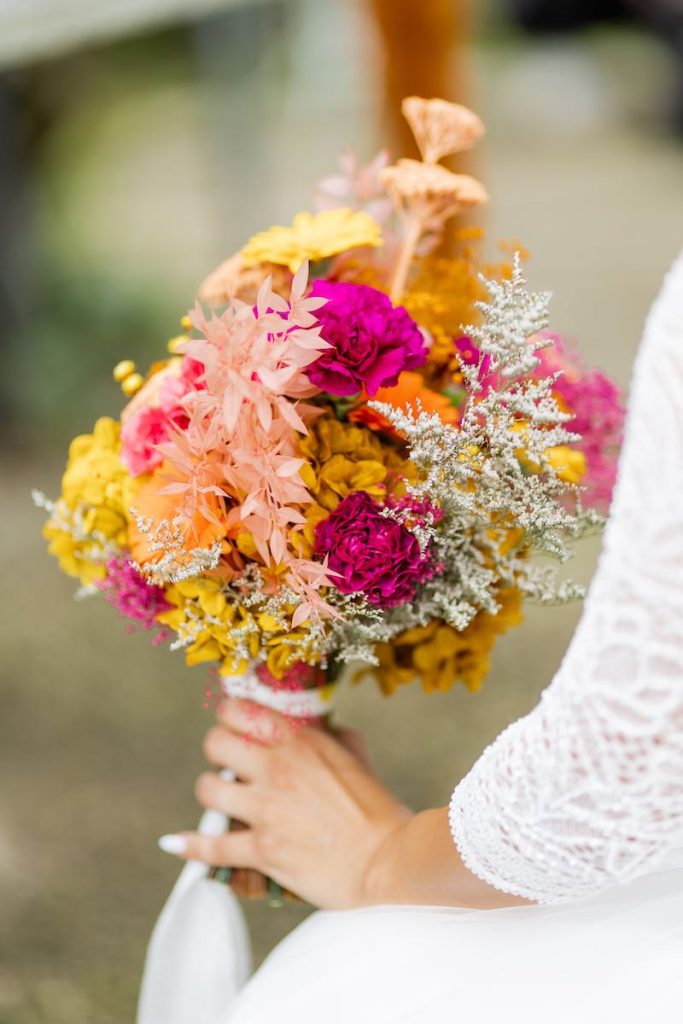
column 312, row 703
column 612, row 959
column 587, row 790
column 199, row 957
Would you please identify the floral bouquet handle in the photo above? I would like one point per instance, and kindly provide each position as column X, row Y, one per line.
column 303, row 695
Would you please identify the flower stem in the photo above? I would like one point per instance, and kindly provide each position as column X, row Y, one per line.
column 405, row 257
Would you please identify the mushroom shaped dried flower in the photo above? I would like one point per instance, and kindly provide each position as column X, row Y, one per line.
column 232, row 280
column 441, row 128
column 430, row 190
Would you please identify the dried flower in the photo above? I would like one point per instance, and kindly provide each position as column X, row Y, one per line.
column 431, row 191
column 441, row 128
column 132, row 596
column 356, row 187
column 233, row 280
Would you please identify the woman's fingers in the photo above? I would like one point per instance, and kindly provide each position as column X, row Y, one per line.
column 254, row 722
column 231, row 850
column 226, row 749
column 236, row 799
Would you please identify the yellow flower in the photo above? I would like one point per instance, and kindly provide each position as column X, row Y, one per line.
column 443, row 294
column 440, row 656
column 204, row 618
column 342, row 458
column 312, row 236
column 569, row 464
column 97, row 488
column 95, row 477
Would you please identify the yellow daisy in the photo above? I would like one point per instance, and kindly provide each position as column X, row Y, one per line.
column 312, row 236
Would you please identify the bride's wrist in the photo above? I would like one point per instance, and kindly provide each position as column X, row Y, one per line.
column 382, row 880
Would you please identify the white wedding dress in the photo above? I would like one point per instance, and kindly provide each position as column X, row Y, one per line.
column 578, row 806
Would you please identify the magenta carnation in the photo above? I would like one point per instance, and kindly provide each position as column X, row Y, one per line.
column 371, row 553
column 132, row 596
column 372, row 341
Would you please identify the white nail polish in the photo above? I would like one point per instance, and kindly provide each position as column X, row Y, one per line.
column 173, row 844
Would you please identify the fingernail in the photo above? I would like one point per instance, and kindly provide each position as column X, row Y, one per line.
column 173, row 844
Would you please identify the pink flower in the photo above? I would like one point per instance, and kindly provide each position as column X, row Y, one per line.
column 372, row 553
column 359, row 187
column 595, row 402
column 155, row 411
column 371, row 340
column 132, row 596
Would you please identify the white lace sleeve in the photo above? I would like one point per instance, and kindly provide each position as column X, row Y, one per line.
column 587, row 790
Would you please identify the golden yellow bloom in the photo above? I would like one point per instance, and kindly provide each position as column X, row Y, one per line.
column 343, row 457
column 203, row 617
column 443, row 294
column 440, row 656
column 98, row 488
column 569, row 464
column 312, row 236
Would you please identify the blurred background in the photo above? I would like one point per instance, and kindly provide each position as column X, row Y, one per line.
column 142, row 142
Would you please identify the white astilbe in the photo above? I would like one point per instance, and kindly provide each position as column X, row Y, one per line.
column 492, row 475
column 168, row 540
column 512, row 316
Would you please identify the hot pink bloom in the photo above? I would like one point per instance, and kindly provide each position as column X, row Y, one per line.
column 594, row 401
column 155, row 411
column 372, row 553
column 370, row 340
column 598, row 412
column 133, row 597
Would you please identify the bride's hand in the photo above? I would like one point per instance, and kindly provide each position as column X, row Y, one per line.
column 316, row 814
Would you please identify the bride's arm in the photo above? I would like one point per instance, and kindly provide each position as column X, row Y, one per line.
column 587, row 790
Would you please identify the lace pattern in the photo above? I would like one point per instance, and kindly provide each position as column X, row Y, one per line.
column 586, row 791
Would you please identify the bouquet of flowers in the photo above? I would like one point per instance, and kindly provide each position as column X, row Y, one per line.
column 354, row 452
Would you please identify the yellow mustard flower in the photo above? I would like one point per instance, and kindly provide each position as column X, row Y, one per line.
column 312, row 236
column 443, row 294
column 440, row 656
column 209, row 624
column 342, row 458
column 97, row 492
column 569, row 464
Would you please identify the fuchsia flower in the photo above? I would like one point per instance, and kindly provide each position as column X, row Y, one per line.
column 132, row 596
column 371, row 552
column 371, row 340
column 594, row 401
column 598, row 412
column 156, row 409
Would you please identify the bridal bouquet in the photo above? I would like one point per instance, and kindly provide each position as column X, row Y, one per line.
column 354, row 452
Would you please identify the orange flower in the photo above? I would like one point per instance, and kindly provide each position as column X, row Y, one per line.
column 152, row 503
column 410, row 388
